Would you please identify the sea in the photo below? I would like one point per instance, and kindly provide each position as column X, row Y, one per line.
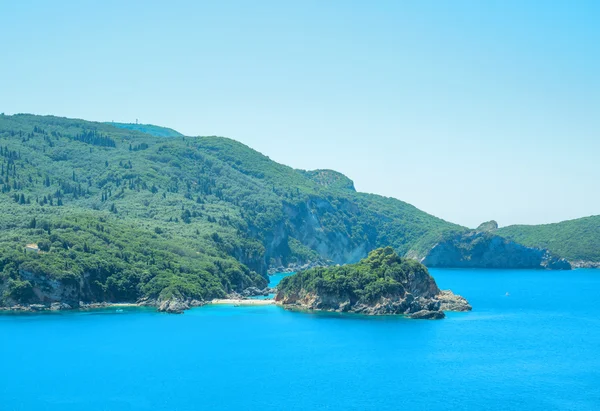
column 532, row 342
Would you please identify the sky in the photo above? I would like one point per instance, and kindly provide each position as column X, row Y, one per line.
column 469, row 110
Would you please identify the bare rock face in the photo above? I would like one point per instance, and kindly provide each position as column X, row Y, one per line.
column 452, row 302
column 255, row 291
column 552, row 263
column 173, row 306
column 487, row 226
column 59, row 306
column 428, row 315
column 585, row 264
column 392, row 304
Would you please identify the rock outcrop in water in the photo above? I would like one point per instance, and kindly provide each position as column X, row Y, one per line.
column 383, row 283
column 452, row 302
column 482, row 249
column 174, row 305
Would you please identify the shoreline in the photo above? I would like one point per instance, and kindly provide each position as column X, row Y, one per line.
column 38, row 308
column 235, row 301
column 122, row 305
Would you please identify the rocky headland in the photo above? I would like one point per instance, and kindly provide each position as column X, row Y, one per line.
column 483, row 249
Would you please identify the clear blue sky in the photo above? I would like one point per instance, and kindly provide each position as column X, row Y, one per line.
column 470, row 110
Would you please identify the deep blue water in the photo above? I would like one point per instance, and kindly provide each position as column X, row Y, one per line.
column 536, row 349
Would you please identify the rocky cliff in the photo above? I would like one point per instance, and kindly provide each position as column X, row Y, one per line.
column 487, row 226
column 482, row 249
column 383, row 283
column 310, row 223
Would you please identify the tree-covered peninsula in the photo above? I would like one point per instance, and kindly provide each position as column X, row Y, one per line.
column 382, row 283
column 577, row 240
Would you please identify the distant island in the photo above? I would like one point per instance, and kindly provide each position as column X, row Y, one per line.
column 383, row 283
column 96, row 213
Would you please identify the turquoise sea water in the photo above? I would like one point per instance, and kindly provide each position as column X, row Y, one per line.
column 273, row 281
column 536, row 349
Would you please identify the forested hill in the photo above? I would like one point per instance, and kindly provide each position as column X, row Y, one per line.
column 148, row 129
column 120, row 214
column 576, row 240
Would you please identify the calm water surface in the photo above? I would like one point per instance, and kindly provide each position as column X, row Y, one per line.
column 536, row 349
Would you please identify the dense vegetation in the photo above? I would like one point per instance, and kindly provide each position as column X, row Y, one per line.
column 383, row 273
column 148, row 129
column 138, row 215
column 575, row 240
column 121, row 260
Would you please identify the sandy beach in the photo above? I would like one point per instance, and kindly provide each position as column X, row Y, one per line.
column 241, row 302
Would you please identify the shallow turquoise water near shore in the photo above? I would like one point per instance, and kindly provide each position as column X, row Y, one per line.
column 536, row 349
column 273, row 281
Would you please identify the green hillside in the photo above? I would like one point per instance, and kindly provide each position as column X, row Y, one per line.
column 575, row 240
column 120, row 214
column 148, row 129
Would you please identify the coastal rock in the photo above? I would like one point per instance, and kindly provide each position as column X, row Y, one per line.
column 173, row 306
column 197, row 303
column 475, row 249
column 59, row 306
column 585, row 264
column 381, row 284
column 254, row 291
column 147, row 302
column 552, row 263
column 452, row 302
column 19, row 307
column 428, row 315
column 235, row 296
column 89, row 306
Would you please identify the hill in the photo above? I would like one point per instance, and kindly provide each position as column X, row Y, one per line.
column 148, row 129
column 115, row 214
column 576, row 240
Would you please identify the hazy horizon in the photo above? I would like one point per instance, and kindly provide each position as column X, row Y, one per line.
column 467, row 110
